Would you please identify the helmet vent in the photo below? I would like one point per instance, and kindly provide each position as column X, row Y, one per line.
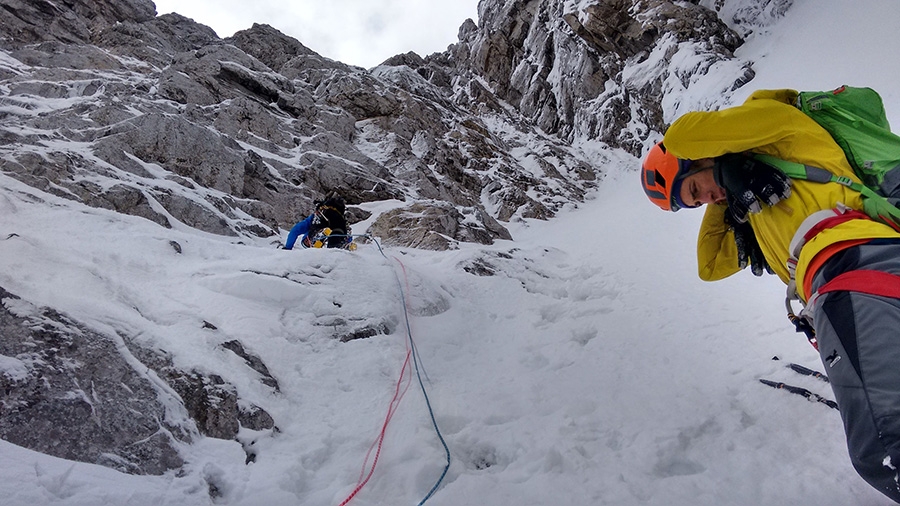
column 660, row 180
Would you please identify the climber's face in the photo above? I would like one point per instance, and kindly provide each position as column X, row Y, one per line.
column 700, row 187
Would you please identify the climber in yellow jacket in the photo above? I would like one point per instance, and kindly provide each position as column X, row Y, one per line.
column 814, row 236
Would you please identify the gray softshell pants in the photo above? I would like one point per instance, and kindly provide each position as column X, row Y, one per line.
column 859, row 343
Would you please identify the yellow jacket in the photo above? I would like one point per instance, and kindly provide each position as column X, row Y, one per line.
column 768, row 123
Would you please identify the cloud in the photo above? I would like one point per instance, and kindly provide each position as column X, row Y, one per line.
column 358, row 32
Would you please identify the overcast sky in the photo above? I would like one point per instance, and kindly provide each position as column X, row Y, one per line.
column 358, row 32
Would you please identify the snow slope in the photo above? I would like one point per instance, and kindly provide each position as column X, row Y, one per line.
column 591, row 368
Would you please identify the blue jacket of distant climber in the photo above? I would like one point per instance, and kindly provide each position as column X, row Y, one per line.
column 298, row 230
column 325, row 228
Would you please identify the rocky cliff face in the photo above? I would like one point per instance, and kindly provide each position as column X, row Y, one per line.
column 108, row 105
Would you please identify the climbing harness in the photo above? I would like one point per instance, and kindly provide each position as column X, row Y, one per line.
column 812, row 225
column 809, row 228
column 860, row 280
column 322, row 237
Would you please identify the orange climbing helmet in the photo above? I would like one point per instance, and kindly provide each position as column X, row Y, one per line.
column 661, row 177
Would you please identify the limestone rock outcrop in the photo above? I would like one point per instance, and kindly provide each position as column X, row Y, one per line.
column 108, row 105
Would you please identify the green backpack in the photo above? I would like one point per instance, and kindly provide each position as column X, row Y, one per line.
column 856, row 120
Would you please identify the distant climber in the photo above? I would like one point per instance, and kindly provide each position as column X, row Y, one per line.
column 326, row 227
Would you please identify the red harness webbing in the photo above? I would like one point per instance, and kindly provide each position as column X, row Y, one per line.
column 871, row 282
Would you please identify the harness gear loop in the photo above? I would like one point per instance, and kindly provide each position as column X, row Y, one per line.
column 812, row 225
column 802, row 323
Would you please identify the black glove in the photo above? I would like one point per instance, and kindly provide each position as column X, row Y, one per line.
column 749, row 252
column 748, row 183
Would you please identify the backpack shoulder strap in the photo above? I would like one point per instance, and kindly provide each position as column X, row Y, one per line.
column 796, row 170
column 874, row 204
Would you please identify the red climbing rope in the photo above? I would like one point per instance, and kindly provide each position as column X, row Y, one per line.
column 399, row 392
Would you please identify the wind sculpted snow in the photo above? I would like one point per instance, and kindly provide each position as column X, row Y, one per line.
column 580, row 364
